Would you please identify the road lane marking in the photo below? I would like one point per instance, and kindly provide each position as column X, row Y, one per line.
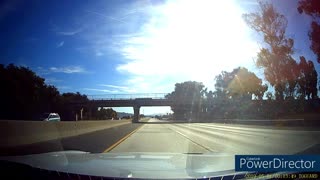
column 121, row 140
column 200, row 145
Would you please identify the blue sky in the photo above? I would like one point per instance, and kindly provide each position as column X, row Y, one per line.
column 135, row 46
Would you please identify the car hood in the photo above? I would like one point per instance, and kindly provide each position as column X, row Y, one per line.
column 131, row 165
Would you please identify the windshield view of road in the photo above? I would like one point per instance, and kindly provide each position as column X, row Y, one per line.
column 164, row 136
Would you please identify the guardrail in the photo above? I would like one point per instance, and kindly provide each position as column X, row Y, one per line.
column 127, row 96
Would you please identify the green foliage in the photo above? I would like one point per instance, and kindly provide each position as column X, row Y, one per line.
column 66, row 107
column 73, row 97
column 307, row 79
column 272, row 25
column 187, row 91
column 24, row 95
column 280, row 69
column 312, row 8
column 190, row 93
column 104, row 114
column 239, row 84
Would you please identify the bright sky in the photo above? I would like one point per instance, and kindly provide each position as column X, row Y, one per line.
column 119, row 46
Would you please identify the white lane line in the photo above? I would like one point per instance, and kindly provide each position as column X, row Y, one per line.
column 207, row 136
column 212, row 141
column 200, row 145
column 258, row 129
column 254, row 132
column 220, row 135
column 222, row 138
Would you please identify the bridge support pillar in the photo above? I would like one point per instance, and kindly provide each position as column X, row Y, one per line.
column 136, row 113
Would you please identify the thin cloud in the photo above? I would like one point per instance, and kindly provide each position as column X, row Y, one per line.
column 52, row 80
column 62, row 31
column 249, row 2
column 70, row 33
column 60, row 44
column 98, row 53
column 98, row 43
column 176, row 45
column 105, row 16
column 152, row 84
column 63, row 87
column 114, row 86
column 67, row 69
column 120, row 88
column 101, row 90
column 99, row 25
column 42, row 71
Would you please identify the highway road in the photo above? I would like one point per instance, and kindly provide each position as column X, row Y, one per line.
column 160, row 136
column 210, row 137
column 94, row 142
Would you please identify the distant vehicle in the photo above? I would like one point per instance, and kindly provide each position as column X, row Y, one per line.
column 50, row 117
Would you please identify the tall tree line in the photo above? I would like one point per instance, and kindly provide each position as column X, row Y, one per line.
column 289, row 77
column 25, row 96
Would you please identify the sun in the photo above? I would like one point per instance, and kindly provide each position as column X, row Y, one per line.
column 196, row 39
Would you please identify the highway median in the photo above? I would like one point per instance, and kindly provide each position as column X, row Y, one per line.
column 16, row 133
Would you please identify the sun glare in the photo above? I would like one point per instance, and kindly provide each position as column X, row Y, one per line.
column 196, row 39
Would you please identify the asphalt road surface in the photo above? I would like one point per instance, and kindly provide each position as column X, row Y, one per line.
column 160, row 136
column 210, row 137
column 94, row 142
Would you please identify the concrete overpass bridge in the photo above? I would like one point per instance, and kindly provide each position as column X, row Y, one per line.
column 126, row 100
column 136, row 101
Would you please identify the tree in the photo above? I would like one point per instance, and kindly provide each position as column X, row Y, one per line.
column 104, row 114
column 68, row 105
column 74, row 97
column 209, row 99
column 23, row 94
column 307, row 79
column 239, row 84
column 312, row 8
column 312, row 82
column 188, row 97
column 276, row 58
column 234, row 93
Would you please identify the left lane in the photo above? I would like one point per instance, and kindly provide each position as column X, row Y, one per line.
column 94, row 142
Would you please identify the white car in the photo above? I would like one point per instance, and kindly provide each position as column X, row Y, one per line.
column 50, row 117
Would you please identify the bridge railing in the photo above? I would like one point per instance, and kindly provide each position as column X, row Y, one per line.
column 127, row 96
